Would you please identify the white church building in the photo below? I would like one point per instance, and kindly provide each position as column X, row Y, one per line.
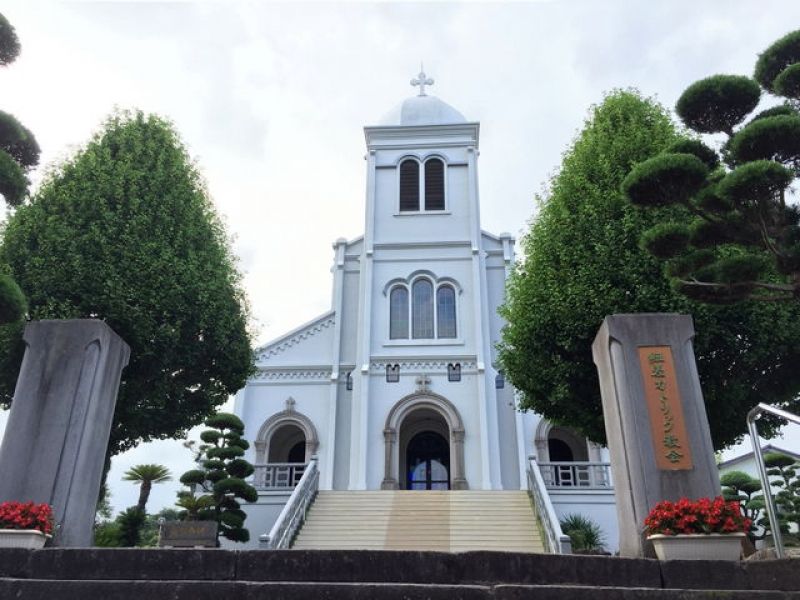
column 397, row 386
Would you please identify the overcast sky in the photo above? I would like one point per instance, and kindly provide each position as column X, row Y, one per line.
column 271, row 99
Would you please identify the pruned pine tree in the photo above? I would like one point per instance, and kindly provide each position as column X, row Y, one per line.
column 739, row 237
column 19, row 153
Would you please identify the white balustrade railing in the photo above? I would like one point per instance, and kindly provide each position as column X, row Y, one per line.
column 584, row 475
column 293, row 514
column 277, row 476
column 555, row 540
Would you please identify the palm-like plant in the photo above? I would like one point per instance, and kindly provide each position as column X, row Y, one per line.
column 146, row 475
column 585, row 534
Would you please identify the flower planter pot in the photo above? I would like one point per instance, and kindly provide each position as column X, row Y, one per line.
column 30, row 539
column 698, row 546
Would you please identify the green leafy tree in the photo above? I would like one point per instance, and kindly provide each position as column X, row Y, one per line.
column 19, row 153
column 107, row 534
column 146, row 476
column 581, row 261
column 221, row 478
column 739, row 235
column 125, row 231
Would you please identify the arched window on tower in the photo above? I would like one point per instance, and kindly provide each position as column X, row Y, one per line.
column 446, row 311
column 409, row 185
column 422, row 309
column 434, row 184
column 398, row 313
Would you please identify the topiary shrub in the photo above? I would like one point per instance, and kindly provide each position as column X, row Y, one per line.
column 19, row 152
column 219, row 482
column 743, row 206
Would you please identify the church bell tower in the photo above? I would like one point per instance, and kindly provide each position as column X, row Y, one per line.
column 424, row 305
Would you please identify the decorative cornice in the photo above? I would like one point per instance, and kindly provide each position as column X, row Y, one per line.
column 288, row 375
column 423, row 366
column 295, row 337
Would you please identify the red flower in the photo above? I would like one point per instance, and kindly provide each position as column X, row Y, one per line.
column 699, row 516
column 26, row 515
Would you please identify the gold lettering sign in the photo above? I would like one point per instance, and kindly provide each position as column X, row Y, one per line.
column 664, row 406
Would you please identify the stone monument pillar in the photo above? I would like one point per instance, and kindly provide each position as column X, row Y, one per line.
column 656, row 422
column 58, row 429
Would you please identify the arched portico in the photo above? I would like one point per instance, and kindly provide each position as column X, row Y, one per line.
column 284, row 428
column 423, row 405
column 553, row 442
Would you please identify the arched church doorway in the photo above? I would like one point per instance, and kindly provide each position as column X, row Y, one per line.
column 559, row 451
column 563, row 455
column 424, row 439
column 287, row 445
column 564, row 444
column 428, row 462
column 284, row 445
column 286, row 437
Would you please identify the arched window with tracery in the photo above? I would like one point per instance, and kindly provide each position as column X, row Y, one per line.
column 422, row 309
column 434, row 184
column 446, row 311
column 409, row 185
column 398, row 313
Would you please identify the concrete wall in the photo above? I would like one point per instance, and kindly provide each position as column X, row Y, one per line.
column 261, row 516
column 596, row 505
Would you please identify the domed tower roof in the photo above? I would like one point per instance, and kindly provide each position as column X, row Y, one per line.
column 422, row 109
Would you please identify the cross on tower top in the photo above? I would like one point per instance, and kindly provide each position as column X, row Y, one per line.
column 422, row 80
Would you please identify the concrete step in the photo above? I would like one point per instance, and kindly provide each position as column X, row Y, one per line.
column 33, row 589
column 450, row 521
column 120, row 574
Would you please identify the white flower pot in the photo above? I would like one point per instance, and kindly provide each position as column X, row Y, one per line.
column 698, row 546
column 30, row 539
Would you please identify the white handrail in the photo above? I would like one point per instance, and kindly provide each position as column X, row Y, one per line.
column 557, row 542
column 294, row 512
column 766, row 486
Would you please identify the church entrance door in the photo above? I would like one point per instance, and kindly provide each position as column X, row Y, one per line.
column 428, row 462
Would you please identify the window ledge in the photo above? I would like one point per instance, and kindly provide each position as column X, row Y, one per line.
column 426, row 342
column 414, row 213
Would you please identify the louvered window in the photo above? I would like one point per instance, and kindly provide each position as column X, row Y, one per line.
column 446, row 311
column 409, row 185
column 398, row 313
column 392, row 373
column 454, row 372
column 434, row 184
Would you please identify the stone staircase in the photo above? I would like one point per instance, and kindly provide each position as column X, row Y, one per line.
column 444, row 521
column 210, row 574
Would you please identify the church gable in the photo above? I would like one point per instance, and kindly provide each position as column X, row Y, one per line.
column 309, row 344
